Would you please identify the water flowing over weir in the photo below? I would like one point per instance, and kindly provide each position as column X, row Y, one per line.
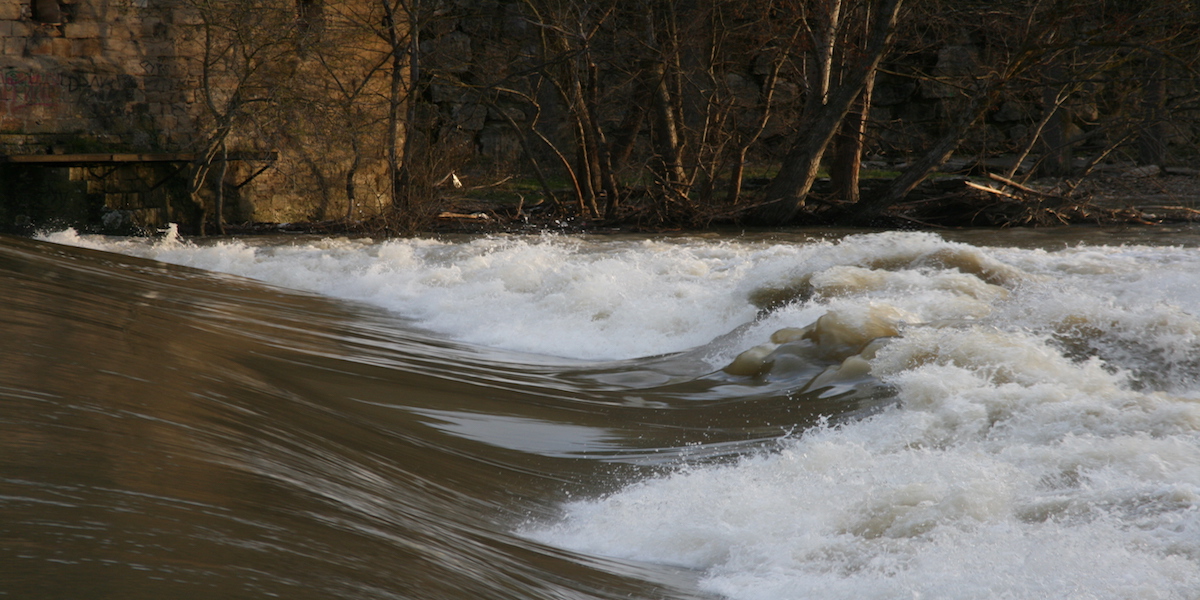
column 872, row 416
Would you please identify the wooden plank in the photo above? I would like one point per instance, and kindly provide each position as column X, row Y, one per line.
column 93, row 159
column 990, row 190
column 1012, row 184
column 108, row 159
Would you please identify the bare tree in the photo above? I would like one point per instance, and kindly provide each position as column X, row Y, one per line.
column 246, row 49
column 826, row 107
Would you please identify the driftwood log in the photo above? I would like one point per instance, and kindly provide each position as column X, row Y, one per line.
column 996, row 201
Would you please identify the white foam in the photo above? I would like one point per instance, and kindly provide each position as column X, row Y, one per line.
column 544, row 295
column 1007, row 472
column 1012, row 467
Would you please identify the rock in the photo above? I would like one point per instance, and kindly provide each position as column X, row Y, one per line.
column 891, row 90
column 450, row 53
column 1009, row 112
column 1146, row 171
column 469, row 117
column 745, row 92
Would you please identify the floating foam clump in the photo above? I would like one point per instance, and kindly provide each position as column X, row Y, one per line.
column 837, row 336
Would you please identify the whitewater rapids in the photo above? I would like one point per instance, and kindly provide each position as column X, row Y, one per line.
column 1033, row 430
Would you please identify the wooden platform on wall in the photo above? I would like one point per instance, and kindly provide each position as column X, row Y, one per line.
column 73, row 160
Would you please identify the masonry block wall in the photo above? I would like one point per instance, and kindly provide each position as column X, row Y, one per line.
column 93, row 76
column 108, row 75
column 127, row 76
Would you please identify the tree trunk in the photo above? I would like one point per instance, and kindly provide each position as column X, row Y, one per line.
column 1056, row 162
column 737, row 173
column 934, row 157
column 784, row 196
column 665, row 132
column 667, row 165
column 399, row 50
column 1152, row 140
column 351, row 172
column 846, row 165
column 608, row 181
column 220, row 209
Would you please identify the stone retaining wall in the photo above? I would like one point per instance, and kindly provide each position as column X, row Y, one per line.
column 113, row 74
column 108, row 76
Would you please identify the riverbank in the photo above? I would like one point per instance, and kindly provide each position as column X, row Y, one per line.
column 1131, row 197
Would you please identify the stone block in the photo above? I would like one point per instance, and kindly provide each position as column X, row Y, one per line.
column 14, row 46
column 83, row 30
column 118, row 47
column 786, row 92
column 764, row 63
column 880, row 114
column 500, row 144
column 891, row 90
column 73, row 123
column 87, row 48
column 469, row 117
column 153, row 27
column 745, row 92
column 10, row 10
column 447, row 91
column 186, row 16
column 41, row 124
column 957, row 60
column 149, row 218
column 1142, row 172
column 15, row 28
column 504, row 113
column 1010, row 112
column 450, row 53
column 8, row 123
column 935, row 90
column 777, row 126
column 918, row 112
column 40, row 46
column 122, row 201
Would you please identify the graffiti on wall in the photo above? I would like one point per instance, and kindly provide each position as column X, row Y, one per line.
column 23, row 90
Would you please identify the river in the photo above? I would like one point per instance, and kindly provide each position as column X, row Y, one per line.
column 751, row 416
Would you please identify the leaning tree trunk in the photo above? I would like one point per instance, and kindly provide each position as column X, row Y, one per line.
column 665, row 132
column 934, row 157
column 1057, row 159
column 848, row 146
column 220, row 202
column 1152, row 140
column 402, row 47
column 784, row 196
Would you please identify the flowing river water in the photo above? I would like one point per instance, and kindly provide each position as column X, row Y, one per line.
column 892, row 415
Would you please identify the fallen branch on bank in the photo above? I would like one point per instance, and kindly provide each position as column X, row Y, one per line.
column 968, row 203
